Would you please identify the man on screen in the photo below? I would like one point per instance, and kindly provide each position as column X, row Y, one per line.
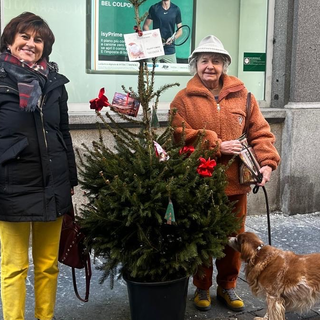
column 166, row 16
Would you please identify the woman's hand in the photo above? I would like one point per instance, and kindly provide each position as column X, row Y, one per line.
column 72, row 191
column 266, row 174
column 230, row 147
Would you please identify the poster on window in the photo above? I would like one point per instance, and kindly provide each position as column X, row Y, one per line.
column 109, row 22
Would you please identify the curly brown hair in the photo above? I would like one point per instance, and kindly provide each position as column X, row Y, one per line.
column 25, row 22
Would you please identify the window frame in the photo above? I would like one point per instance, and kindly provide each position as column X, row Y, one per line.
column 132, row 67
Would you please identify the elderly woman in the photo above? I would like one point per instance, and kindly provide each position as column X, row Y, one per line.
column 37, row 164
column 216, row 103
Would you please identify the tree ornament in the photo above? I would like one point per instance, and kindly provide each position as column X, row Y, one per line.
column 206, row 167
column 170, row 213
column 186, row 150
column 100, row 102
column 154, row 119
column 160, row 152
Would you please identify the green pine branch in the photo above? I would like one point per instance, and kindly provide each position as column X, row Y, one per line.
column 128, row 190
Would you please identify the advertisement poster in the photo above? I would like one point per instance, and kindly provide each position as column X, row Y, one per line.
column 109, row 22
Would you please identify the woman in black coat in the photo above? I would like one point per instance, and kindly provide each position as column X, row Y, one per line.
column 37, row 164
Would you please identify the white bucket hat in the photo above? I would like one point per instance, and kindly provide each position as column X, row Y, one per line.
column 210, row 44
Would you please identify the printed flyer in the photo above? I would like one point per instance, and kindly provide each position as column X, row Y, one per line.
column 146, row 46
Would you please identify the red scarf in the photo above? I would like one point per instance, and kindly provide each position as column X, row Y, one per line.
column 30, row 79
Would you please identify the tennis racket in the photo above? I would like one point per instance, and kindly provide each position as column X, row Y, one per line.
column 182, row 39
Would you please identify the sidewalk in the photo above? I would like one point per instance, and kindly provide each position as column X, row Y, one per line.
column 299, row 233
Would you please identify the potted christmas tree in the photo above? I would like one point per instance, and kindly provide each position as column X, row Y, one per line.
column 156, row 210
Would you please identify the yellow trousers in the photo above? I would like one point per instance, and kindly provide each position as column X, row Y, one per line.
column 14, row 237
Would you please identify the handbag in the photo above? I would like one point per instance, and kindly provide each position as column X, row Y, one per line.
column 73, row 252
column 249, row 171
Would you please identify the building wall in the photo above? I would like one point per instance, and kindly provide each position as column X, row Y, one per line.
column 295, row 88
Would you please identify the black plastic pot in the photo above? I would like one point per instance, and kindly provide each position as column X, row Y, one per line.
column 158, row 300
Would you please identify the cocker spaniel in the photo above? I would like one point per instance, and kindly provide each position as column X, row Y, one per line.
column 288, row 281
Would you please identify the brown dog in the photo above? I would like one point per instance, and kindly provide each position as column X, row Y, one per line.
column 288, row 281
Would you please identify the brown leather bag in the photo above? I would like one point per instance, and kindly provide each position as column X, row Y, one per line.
column 249, row 168
column 73, row 252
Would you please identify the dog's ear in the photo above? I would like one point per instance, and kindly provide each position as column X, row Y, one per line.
column 247, row 249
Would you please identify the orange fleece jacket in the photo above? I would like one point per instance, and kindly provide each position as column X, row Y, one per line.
column 224, row 120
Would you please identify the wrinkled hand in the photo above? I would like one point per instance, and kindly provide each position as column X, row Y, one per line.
column 230, row 147
column 266, row 174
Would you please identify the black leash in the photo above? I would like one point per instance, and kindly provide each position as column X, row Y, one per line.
column 255, row 190
column 256, row 174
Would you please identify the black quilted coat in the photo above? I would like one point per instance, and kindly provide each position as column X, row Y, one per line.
column 37, row 163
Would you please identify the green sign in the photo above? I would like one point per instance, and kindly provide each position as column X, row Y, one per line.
column 254, row 61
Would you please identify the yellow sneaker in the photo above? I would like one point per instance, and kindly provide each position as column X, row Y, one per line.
column 202, row 300
column 230, row 299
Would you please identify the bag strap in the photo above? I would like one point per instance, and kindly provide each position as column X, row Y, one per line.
column 88, row 274
column 87, row 268
column 71, row 213
column 248, row 114
column 258, row 177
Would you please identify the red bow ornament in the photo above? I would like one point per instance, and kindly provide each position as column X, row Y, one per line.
column 186, row 150
column 138, row 30
column 100, row 102
column 206, row 167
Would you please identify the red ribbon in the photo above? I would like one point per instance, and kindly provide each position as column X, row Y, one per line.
column 186, row 150
column 100, row 102
column 206, row 167
column 138, row 31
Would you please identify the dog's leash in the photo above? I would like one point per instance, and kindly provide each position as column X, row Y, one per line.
column 256, row 174
column 258, row 177
column 255, row 190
